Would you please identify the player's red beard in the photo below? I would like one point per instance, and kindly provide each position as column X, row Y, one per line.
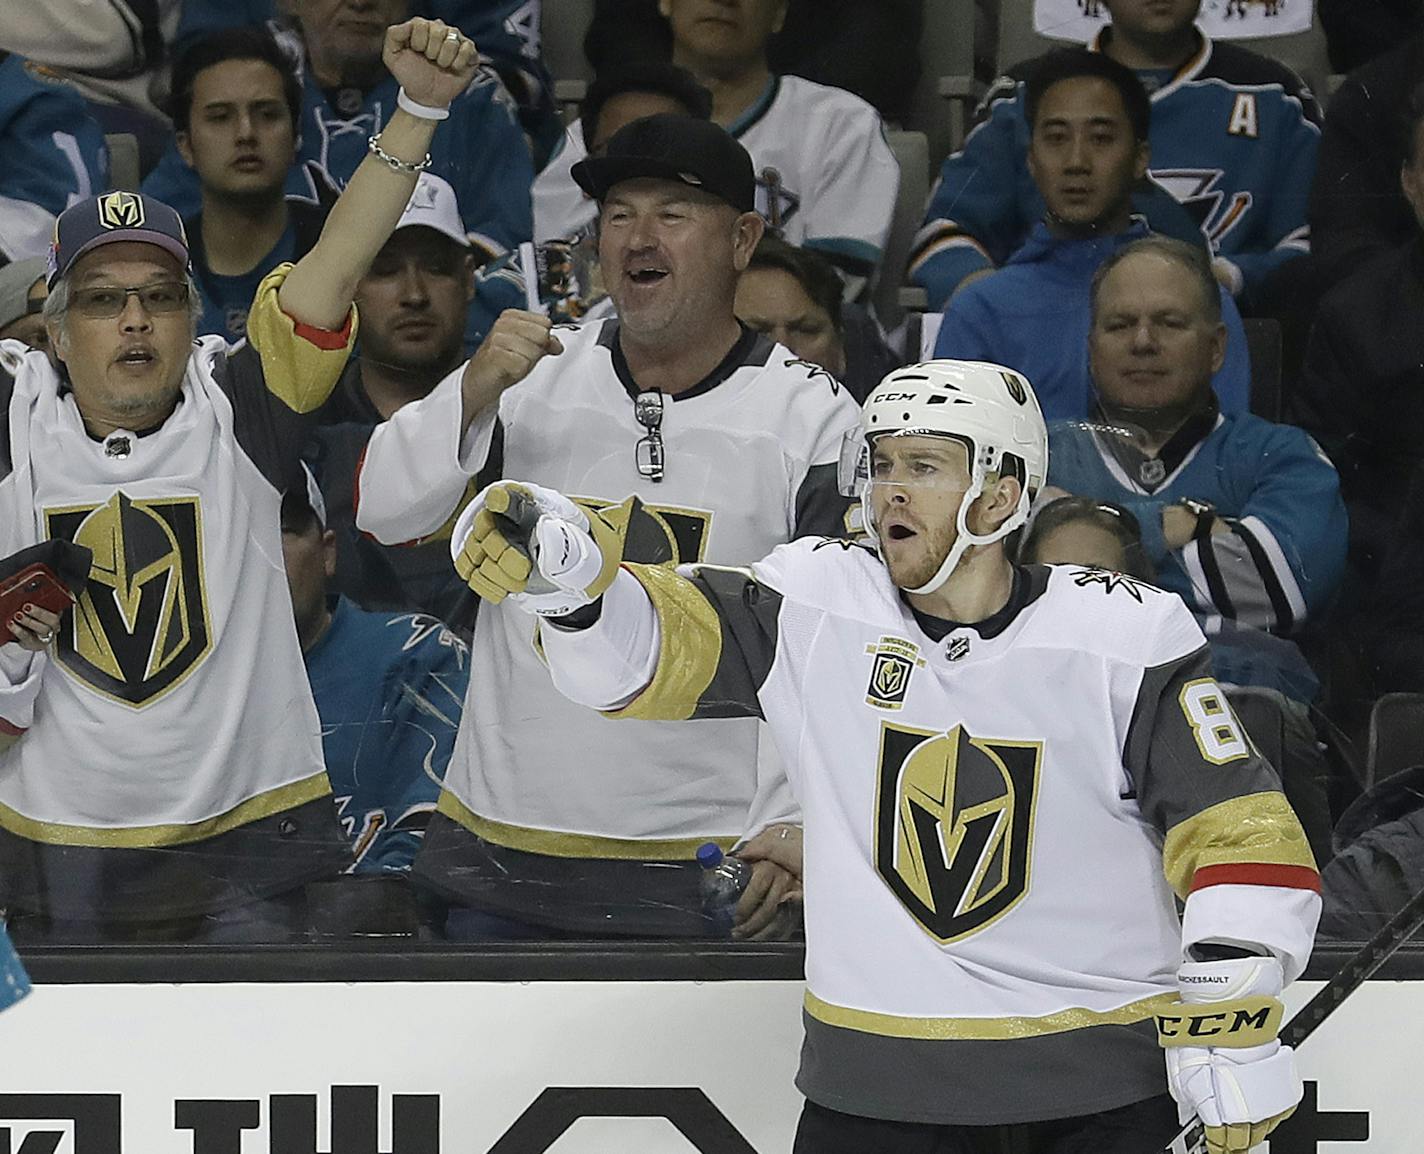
column 913, row 561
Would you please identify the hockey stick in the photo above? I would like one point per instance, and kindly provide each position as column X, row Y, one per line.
column 1353, row 974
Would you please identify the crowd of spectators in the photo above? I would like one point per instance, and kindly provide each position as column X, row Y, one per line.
column 663, row 306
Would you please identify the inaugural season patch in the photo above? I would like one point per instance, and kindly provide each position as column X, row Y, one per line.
column 895, row 660
column 954, row 824
column 141, row 626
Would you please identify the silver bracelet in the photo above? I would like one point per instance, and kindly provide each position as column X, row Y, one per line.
column 395, row 163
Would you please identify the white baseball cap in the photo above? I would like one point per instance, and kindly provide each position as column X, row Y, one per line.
column 433, row 205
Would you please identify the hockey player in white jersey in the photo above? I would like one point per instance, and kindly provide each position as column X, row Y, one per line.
column 1009, row 777
column 729, row 443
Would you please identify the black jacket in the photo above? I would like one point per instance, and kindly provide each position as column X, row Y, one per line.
column 1357, row 210
column 1361, row 394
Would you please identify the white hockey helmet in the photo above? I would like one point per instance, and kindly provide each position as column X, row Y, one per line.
column 990, row 408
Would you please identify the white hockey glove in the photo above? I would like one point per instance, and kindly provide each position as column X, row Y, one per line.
column 1224, row 1061
column 535, row 546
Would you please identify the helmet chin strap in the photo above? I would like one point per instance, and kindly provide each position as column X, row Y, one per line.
column 965, row 538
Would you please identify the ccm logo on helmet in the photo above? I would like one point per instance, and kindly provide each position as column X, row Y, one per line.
column 885, row 398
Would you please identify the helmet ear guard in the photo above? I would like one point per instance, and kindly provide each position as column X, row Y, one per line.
column 990, row 408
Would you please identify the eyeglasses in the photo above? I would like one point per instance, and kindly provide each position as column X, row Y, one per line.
column 648, row 409
column 105, row 301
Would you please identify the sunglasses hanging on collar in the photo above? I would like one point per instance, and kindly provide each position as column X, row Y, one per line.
column 649, row 453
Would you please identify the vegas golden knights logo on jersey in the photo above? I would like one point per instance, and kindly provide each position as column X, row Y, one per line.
column 142, row 624
column 954, row 825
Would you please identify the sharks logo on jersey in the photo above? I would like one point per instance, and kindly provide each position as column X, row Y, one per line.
column 141, row 626
column 1196, row 190
column 954, row 825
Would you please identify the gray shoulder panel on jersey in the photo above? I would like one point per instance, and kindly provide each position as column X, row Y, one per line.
column 821, row 511
column 268, row 432
column 748, row 613
column 1166, row 754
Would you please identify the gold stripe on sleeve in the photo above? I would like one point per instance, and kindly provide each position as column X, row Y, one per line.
column 300, row 364
column 556, row 843
column 983, row 1029
column 274, row 801
column 1259, row 829
column 691, row 647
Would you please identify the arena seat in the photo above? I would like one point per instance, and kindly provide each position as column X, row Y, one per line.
column 1396, row 736
column 123, row 161
column 958, row 55
column 912, row 153
column 562, row 24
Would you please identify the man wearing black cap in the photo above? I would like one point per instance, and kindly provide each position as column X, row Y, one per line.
column 554, row 820
column 165, row 765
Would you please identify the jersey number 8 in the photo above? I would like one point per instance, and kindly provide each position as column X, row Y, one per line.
column 1218, row 734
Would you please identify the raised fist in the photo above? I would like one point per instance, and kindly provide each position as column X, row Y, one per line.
column 433, row 62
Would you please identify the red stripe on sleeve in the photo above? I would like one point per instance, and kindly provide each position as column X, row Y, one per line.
column 1257, row 874
column 328, row 340
column 10, row 730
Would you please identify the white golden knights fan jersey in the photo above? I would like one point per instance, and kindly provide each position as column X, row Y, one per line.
column 998, row 819
column 535, row 781
column 171, row 719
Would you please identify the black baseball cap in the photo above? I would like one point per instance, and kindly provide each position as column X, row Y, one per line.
column 668, row 146
column 111, row 217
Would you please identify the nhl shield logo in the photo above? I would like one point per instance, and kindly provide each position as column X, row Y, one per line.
column 954, row 824
column 141, row 626
column 895, row 660
column 120, row 210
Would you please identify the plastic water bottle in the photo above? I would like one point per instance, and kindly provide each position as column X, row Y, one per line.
column 723, row 880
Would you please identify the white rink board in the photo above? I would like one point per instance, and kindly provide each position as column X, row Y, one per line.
column 489, row 1050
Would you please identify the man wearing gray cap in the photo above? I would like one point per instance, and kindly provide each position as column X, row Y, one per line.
column 712, row 443
column 162, row 769
column 22, row 297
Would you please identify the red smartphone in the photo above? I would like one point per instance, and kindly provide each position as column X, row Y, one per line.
column 35, row 584
column 51, row 575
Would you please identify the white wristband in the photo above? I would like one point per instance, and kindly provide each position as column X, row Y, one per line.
column 423, row 111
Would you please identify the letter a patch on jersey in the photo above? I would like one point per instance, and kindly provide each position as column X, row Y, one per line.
column 954, row 825
column 141, row 626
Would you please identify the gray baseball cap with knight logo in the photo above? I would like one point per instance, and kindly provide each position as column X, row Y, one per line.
column 112, row 217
